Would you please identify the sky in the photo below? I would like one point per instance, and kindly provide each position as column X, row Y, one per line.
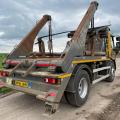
column 17, row 17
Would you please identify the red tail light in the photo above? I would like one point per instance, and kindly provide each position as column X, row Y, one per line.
column 44, row 65
column 12, row 62
column 52, row 81
column 4, row 74
column 52, row 94
column 50, row 67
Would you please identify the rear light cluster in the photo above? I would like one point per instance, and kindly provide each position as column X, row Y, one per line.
column 50, row 67
column 4, row 74
column 44, row 65
column 52, row 80
column 12, row 62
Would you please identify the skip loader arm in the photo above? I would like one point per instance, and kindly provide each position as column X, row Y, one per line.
column 78, row 40
column 26, row 45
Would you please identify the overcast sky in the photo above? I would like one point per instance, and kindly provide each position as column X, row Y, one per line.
column 17, row 17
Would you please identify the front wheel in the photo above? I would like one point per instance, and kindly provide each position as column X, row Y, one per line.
column 82, row 88
column 111, row 72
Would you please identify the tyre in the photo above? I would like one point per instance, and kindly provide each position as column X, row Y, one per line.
column 81, row 87
column 111, row 72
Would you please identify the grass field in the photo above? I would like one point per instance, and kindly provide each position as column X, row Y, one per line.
column 2, row 57
column 3, row 90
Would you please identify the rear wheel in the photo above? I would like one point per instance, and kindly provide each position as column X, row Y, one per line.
column 81, row 86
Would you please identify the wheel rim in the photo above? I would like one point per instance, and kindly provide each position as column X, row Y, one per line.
column 83, row 88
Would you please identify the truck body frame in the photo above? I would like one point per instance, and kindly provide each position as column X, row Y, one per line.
column 32, row 72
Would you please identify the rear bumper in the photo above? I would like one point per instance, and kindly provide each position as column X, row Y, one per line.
column 51, row 93
column 29, row 91
column 42, row 95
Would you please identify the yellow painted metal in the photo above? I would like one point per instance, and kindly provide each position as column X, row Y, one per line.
column 65, row 75
column 81, row 61
column 109, row 47
column 88, row 61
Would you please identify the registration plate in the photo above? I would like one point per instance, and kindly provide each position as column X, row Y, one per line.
column 21, row 83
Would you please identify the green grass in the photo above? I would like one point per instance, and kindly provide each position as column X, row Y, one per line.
column 3, row 90
column 2, row 57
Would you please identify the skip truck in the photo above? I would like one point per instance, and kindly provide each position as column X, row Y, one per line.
column 88, row 58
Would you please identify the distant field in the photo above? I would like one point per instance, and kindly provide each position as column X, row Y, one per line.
column 2, row 57
column 3, row 90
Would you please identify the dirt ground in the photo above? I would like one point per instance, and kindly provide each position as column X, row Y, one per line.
column 103, row 104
